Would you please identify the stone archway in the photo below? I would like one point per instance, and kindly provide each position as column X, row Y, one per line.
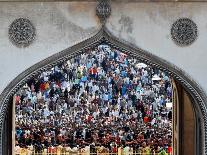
column 196, row 93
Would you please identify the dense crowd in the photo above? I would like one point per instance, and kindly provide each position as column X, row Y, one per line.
column 102, row 98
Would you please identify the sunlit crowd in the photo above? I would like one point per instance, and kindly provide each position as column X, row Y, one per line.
column 101, row 100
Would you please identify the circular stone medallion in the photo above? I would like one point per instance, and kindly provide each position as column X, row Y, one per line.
column 184, row 32
column 21, row 32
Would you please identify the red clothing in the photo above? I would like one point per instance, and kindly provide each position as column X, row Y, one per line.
column 114, row 149
column 17, row 100
column 146, row 119
column 52, row 150
column 93, row 71
column 169, row 149
column 42, row 87
column 89, row 118
column 117, row 140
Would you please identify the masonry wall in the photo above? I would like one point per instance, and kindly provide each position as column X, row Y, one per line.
column 60, row 25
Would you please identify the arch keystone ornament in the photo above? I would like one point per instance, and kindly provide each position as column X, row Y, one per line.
column 103, row 10
column 21, row 32
column 184, row 32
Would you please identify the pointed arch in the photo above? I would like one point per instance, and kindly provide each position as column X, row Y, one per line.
column 195, row 91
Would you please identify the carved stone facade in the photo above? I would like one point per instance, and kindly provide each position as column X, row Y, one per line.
column 184, row 32
column 21, row 32
column 54, row 21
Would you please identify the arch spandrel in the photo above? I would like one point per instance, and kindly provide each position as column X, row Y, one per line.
column 197, row 94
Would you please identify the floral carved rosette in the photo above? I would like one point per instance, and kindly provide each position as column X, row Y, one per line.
column 21, row 32
column 184, row 32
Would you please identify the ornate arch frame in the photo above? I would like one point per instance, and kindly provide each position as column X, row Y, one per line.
column 198, row 96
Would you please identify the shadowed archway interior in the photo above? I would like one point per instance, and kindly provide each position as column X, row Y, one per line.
column 196, row 93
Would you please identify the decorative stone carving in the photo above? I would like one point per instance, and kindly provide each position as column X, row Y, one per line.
column 21, row 32
column 184, row 32
column 103, row 10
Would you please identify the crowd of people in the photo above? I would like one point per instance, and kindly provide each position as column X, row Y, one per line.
column 102, row 99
